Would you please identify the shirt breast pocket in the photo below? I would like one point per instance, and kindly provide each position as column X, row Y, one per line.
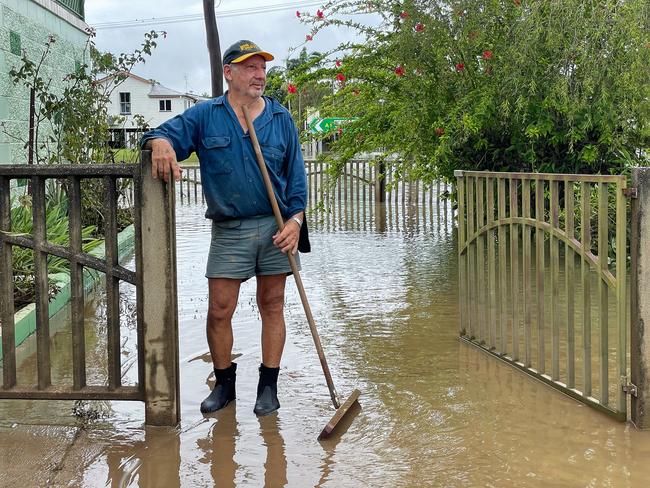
column 274, row 157
column 219, row 154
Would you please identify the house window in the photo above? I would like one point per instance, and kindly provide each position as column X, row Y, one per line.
column 14, row 43
column 165, row 105
column 125, row 103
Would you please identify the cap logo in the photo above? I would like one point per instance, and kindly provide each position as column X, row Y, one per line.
column 246, row 47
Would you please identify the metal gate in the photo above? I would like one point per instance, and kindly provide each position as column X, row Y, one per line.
column 154, row 278
column 542, row 262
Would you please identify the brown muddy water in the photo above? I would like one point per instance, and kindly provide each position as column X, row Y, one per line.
column 435, row 412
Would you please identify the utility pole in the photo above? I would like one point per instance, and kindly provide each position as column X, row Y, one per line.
column 214, row 49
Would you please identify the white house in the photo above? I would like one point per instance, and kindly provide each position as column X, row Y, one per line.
column 137, row 96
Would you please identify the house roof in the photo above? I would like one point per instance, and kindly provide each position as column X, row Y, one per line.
column 158, row 90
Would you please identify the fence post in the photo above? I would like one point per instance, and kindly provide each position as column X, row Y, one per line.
column 380, row 182
column 640, row 284
column 159, row 299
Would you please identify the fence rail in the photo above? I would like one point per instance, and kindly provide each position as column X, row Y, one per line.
column 365, row 196
column 156, row 319
column 536, row 288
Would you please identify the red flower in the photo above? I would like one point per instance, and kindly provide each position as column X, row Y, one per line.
column 440, row 131
column 319, row 14
column 291, row 88
column 404, row 14
column 340, row 131
column 419, row 27
column 340, row 77
column 338, row 63
column 298, row 13
column 460, row 67
column 308, row 37
column 487, row 54
column 399, row 71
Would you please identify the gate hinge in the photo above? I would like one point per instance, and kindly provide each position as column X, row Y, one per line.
column 630, row 389
column 630, row 192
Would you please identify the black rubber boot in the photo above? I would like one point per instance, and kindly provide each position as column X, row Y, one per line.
column 267, row 391
column 223, row 391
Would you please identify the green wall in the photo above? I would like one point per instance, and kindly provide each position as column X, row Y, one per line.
column 25, row 26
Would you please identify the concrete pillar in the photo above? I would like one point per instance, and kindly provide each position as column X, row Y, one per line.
column 640, row 284
column 158, row 299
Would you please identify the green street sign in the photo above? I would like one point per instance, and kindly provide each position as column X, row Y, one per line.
column 328, row 124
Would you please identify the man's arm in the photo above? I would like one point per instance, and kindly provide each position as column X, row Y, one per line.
column 163, row 159
column 172, row 141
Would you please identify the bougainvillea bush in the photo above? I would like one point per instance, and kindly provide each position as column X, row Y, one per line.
column 507, row 85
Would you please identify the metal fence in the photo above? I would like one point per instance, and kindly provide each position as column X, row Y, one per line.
column 543, row 278
column 189, row 188
column 368, row 195
column 154, row 279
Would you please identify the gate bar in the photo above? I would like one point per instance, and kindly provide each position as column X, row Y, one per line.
column 41, row 284
column 76, row 285
column 7, row 290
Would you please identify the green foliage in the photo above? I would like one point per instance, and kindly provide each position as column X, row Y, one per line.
column 507, row 85
column 57, row 233
column 72, row 125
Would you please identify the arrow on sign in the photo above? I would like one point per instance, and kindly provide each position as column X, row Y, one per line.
column 327, row 124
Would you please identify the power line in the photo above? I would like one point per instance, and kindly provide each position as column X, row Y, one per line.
column 194, row 17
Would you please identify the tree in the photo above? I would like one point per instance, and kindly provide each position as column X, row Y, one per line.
column 521, row 85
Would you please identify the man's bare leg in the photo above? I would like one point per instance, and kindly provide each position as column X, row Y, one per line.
column 270, row 299
column 222, row 301
column 223, row 294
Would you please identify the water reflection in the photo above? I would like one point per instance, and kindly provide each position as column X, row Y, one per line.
column 275, row 465
column 219, row 447
column 153, row 461
column 435, row 412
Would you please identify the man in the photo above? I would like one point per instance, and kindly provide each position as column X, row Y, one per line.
column 245, row 238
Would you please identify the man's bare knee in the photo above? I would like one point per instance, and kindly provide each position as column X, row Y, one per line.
column 220, row 314
column 271, row 303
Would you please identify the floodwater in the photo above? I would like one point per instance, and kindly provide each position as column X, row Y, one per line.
column 434, row 411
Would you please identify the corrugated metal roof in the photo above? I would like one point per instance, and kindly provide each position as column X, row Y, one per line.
column 158, row 90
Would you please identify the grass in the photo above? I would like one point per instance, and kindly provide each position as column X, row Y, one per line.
column 131, row 156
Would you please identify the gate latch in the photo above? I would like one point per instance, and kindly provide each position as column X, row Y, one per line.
column 630, row 389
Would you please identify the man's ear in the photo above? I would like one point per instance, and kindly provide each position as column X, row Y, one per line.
column 227, row 71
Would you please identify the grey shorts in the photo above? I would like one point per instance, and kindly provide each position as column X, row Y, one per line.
column 243, row 248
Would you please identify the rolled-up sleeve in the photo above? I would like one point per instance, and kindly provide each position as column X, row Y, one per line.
column 296, row 178
column 181, row 131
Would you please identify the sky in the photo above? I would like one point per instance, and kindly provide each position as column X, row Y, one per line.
column 181, row 61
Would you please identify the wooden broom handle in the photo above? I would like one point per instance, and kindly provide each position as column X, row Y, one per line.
column 292, row 259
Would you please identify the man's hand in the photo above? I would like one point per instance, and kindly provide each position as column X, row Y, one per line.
column 287, row 239
column 163, row 160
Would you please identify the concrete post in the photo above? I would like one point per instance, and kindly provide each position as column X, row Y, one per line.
column 640, row 284
column 158, row 300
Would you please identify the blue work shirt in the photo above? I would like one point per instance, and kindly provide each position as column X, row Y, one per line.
column 232, row 182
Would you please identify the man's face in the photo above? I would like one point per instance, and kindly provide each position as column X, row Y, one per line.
column 248, row 77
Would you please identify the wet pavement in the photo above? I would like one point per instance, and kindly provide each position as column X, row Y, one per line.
column 435, row 412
